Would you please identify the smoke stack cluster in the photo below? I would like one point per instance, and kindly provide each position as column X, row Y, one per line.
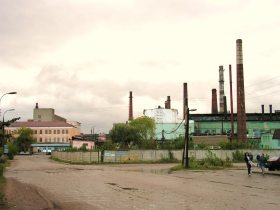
column 241, row 113
column 214, row 102
column 130, row 115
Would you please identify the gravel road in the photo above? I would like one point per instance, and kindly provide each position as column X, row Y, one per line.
column 142, row 186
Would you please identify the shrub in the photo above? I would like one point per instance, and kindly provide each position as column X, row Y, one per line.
column 250, row 144
column 12, row 150
column 237, row 156
column 1, row 170
column 210, row 162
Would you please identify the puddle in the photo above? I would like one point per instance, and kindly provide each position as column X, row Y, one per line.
column 111, row 183
column 152, row 171
column 123, row 188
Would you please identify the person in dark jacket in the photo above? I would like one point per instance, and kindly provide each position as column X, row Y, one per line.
column 262, row 163
column 247, row 160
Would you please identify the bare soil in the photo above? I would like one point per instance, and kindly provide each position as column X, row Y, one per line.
column 35, row 182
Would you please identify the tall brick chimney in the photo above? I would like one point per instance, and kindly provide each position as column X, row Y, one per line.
column 214, row 102
column 241, row 112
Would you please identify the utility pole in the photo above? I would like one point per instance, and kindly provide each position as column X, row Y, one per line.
column 185, row 110
column 231, row 105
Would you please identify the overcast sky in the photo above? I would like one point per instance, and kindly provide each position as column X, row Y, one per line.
column 82, row 57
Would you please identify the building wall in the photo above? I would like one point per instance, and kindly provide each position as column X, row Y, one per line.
column 267, row 142
column 255, row 128
column 162, row 115
column 150, row 155
column 172, row 130
column 79, row 144
column 43, row 114
column 49, row 134
column 167, row 123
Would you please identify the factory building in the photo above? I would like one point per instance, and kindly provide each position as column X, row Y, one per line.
column 259, row 125
column 168, row 125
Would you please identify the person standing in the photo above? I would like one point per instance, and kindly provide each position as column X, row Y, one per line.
column 262, row 163
column 247, row 161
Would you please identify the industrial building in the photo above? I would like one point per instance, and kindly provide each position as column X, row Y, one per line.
column 168, row 125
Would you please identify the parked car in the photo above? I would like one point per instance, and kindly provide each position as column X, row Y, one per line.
column 273, row 163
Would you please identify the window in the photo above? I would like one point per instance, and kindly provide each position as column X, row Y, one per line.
column 58, row 131
column 66, row 131
column 50, row 140
column 54, row 131
column 54, row 139
column 50, row 131
column 63, row 131
column 46, row 139
column 46, row 131
column 62, row 139
column 41, row 140
column 39, row 116
column 35, row 131
column 278, row 142
column 41, row 131
column 58, row 139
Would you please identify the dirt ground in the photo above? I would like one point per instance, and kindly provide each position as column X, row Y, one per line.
column 35, row 182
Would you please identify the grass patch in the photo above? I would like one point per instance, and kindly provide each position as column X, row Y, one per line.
column 3, row 204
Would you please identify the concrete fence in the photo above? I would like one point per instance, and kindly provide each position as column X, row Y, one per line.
column 78, row 157
column 148, row 155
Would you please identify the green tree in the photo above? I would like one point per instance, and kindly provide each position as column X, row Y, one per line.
column 145, row 126
column 138, row 132
column 124, row 134
column 25, row 139
column 2, row 126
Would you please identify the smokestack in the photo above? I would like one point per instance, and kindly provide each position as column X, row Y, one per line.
column 130, row 115
column 214, row 102
column 262, row 109
column 36, row 107
column 270, row 109
column 165, row 105
column 241, row 113
column 221, row 86
column 168, row 102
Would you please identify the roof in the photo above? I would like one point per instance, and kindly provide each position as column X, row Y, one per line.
column 51, row 145
column 276, row 134
column 32, row 124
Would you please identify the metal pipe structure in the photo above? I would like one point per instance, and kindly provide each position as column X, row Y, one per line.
column 214, row 102
column 221, row 87
column 241, row 112
column 130, row 115
column 231, row 104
